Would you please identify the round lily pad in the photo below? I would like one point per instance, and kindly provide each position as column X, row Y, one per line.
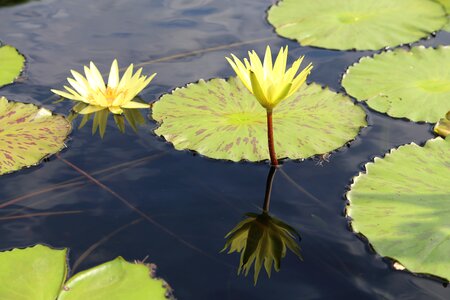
column 413, row 84
column 401, row 204
column 28, row 134
column 356, row 24
column 11, row 64
column 221, row 119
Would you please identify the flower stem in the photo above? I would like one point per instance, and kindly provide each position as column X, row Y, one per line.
column 269, row 183
column 273, row 155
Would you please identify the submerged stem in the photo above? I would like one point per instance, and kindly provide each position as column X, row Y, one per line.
column 269, row 183
column 273, row 155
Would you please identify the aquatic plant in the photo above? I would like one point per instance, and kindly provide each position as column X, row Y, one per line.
column 442, row 127
column 40, row 272
column 28, row 134
column 11, row 62
column 101, row 99
column 270, row 83
column 401, row 205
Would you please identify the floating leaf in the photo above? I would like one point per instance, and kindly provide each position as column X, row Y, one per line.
column 401, row 205
column 11, row 64
column 413, row 84
column 116, row 279
column 39, row 273
column 443, row 126
column 222, row 120
column 28, row 134
column 356, row 24
column 36, row 273
column 446, row 4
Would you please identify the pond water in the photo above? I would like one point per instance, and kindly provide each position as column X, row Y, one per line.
column 190, row 201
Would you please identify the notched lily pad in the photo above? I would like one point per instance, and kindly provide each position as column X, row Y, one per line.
column 413, row 84
column 11, row 64
column 39, row 273
column 28, row 134
column 401, row 204
column 356, row 24
column 221, row 119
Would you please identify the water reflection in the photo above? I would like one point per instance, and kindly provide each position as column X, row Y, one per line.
column 262, row 239
column 100, row 118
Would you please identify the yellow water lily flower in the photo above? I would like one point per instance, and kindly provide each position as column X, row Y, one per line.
column 270, row 83
column 115, row 96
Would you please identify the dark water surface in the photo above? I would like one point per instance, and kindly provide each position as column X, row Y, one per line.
column 192, row 201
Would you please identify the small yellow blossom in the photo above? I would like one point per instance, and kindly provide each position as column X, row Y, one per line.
column 115, row 96
column 270, row 83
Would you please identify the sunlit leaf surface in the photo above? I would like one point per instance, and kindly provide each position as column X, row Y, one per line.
column 11, row 64
column 115, row 280
column 221, row 119
column 401, row 204
column 34, row 273
column 413, row 84
column 28, row 134
column 356, row 24
column 446, row 4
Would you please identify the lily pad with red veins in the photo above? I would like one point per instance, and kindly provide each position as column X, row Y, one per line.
column 28, row 134
column 221, row 119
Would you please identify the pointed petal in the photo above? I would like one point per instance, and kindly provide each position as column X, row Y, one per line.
column 133, row 104
column 126, row 77
column 97, row 76
column 91, row 109
column 258, row 92
column 66, row 95
column 268, row 62
column 113, row 79
column 115, row 110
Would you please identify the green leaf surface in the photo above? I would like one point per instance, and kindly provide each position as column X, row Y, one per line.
column 413, row 84
column 114, row 280
column 446, row 4
column 401, row 204
column 221, row 119
column 356, row 24
column 35, row 273
column 28, row 134
column 11, row 64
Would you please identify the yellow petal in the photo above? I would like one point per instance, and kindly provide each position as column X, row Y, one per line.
column 82, row 90
column 241, row 71
column 258, row 92
column 268, row 62
column 115, row 110
column 293, row 70
column 66, row 95
column 126, row 77
column 113, row 79
column 97, row 76
column 133, row 104
column 90, row 109
column 280, row 63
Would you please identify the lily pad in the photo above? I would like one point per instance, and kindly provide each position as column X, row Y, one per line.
column 36, row 273
column 401, row 204
column 39, row 273
column 11, row 64
column 115, row 280
column 356, row 24
column 28, row 134
column 221, row 119
column 413, row 84
column 446, row 4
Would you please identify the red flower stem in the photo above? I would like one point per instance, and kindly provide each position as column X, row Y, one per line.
column 273, row 155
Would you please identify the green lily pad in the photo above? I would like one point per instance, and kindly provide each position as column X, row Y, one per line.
column 221, row 119
column 413, row 84
column 11, row 64
column 446, row 4
column 356, row 24
column 36, row 273
column 115, row 280
column 443, row 126
column 28, row 134
column 401, row 204
column 39, row 273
